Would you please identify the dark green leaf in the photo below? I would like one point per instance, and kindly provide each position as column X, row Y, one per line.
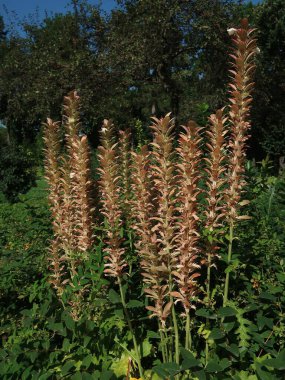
column 216, row 334
column 134, row 303
column 76, row 376
column 267, row 296
column 228, row 326
column 262, row 374
column 201, row 375
column 167, row 369
column 278, row 362
column 189, row 360
column 206, row 313
column 213, row 366
column 226, row 312
column 114, row 297
column 232, row 348
column 66, row 367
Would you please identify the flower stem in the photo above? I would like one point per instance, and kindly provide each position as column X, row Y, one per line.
column 131, row 328
column 188, row 338
column 176, row 332
column 230, row 247
column 163, row 346
column 209, row 281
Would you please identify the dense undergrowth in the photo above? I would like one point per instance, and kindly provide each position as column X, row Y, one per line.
column 40, row 340
column 184, row 231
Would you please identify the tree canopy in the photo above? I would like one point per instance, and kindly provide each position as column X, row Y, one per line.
column 144, row 58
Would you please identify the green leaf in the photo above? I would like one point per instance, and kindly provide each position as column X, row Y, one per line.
column 76, row 376
column 86, row 340
column 146, row 348
column 264, row 375
column 134, row 303
column 216, row 334
column 228, row 326
column 278, row 362
column 33, row 355
column 206, row 313
column 280, row 277
column 45, row 376
column 120, row 366
column 201, row 375
column 87, row 361
column 232, row 348
column 213, row 366
column 189, row 360
column 87, row 376
column 119, row 313
column 66, row 345
column 167, row 369
column 267, row 296
column 264, row 321
column 226, row 312
column 114, row 297
column 27, row 373
column 106, row 375
column 66, row 367
column 99, row 302
column 153, row 335
column 57, row 327
column 225, row 363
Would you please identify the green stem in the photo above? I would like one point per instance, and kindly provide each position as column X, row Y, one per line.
column 188, row 338
column 162, row 340
column 209, row 281
column 208, row 300
column 176, row 332
column 207, row 351
column 131, row 329
column 230, row 247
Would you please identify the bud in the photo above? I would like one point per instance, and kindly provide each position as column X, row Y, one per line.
column 231, row 31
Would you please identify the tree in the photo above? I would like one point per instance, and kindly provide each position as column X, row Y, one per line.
column 17, row 171
column 268, row 110
column 170, row 53
column 41, row 67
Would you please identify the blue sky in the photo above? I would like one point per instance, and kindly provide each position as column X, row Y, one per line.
column 22, row 8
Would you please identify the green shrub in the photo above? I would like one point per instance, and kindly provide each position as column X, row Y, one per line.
column 17, row 171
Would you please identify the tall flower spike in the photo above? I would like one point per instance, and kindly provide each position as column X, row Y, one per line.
column 143, row 210
column 215, row 168
column 52, row 174
column 57, row 267
column 163, row 174
column 240, row 91
column 68, row 210
column 241, row 87
column 110, row 200
column 187, row 237
column 84, row 211
column 69, row 175
column 215, row 210
column 124, row 162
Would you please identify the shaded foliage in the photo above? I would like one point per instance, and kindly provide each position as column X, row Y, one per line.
column 17, row 171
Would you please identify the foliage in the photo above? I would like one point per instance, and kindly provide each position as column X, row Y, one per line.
column 40, row 340
column 25, row 230
column 268, row 113
column 164, row 283
column 145, row 57
column 141, row 59
column 17, row 171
